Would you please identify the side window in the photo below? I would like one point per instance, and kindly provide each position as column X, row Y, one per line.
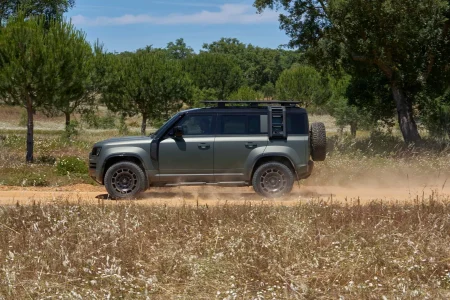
column 233, row 124
column 197, row 125
column 297, row 123
column 243, row 124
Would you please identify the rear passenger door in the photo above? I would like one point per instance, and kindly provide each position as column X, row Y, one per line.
column 238, row 137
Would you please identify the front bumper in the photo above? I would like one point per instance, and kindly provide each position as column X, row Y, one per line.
column 93, row 172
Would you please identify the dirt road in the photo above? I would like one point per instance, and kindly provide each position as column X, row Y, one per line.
column 212, row 195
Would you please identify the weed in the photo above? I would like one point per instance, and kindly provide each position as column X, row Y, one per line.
column 71, row 165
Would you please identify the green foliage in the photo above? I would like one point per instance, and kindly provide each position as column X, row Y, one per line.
column 123, row 128
column 179, row 50
column 436, row 115
column 260, row 66
column 200, row 95
column 71, row 165
column 405, row 41
column 74, row 68
column 37, row 66
column 246, row 93
column 48, row 8
column 146, row 83
column 96, row 121
column 214, row 71
column 269, row 90
column 304, row 84
column 71, row 130
column 338, row 106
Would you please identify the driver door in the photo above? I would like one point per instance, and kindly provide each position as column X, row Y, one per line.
column 189, row 158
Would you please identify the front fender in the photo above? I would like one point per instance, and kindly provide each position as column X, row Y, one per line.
column 127, row 151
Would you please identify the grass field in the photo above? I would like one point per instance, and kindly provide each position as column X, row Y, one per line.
column 311, row 251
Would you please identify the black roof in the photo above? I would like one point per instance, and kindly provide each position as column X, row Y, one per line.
column 240, row 104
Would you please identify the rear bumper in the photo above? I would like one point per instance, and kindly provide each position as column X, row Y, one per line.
column 305, row 171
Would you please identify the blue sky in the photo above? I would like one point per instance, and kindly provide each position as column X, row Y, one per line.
column 129, row 25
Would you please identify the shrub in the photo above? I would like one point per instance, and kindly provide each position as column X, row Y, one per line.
column 98, row 122
column 71, row 165
column 71, row 129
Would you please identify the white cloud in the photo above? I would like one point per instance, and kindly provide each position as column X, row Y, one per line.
column 228, row 14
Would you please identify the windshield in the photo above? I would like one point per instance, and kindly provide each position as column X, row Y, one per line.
column 164, row 127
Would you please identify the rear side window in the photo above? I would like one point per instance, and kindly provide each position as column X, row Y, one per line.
column 243, row 124
column 297, row 123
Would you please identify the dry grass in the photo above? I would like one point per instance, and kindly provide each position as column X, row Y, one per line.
column 311, row 251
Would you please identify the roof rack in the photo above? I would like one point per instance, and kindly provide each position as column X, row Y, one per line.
column 222, row 104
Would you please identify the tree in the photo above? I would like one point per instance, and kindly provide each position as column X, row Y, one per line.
column 179, row 50
column 246, row 93
column 269, row 90
column 48, row 8
column 30, row 64
column 304, row 84
column 406, row 40
column 74, row 61
column 260, row 66
column 149, row 84
column 345, row 113
column 214, row 71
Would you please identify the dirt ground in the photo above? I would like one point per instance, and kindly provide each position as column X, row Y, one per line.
column 88, row 194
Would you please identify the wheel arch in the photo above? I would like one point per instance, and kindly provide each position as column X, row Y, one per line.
column 273, row 158
column 113, row 159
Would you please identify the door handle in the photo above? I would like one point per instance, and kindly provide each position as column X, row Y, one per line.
column 250, row 145
column 203, row 146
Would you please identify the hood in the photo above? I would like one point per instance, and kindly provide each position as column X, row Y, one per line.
column 125, row 140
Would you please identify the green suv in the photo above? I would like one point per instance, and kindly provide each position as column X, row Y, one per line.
column 268, row 145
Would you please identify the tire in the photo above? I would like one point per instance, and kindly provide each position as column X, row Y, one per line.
column 318, row 140
column 125, row 180
column 273, row 180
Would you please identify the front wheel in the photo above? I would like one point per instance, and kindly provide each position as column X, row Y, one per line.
column 125, row 180
column 273, row 180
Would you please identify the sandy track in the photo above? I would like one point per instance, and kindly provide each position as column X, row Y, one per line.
column 87, row 194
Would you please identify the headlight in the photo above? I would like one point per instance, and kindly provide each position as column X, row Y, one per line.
column 96, row 151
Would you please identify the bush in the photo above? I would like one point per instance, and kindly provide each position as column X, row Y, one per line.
column 98, row 122
column 71, row 129
column 71, row 165
column 123, row 128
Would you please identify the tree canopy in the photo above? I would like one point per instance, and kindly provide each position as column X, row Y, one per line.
column 146, row 83
column 214, row 71
column 48, row 8
column 405, row 40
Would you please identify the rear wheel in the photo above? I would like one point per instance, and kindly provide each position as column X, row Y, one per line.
column 273, row 180
column 125, row 180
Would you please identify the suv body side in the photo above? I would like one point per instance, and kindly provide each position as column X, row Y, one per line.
column 236, row 144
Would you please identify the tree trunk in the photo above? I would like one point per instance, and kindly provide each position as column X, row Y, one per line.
column 353, row 128
column 406, row 120
column 144, row 124
column 30, row 130
column 67, row 119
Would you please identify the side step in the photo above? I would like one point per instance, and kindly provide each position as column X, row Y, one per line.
column 229, row 183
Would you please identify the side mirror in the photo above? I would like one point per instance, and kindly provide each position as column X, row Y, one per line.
column 177, row 132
